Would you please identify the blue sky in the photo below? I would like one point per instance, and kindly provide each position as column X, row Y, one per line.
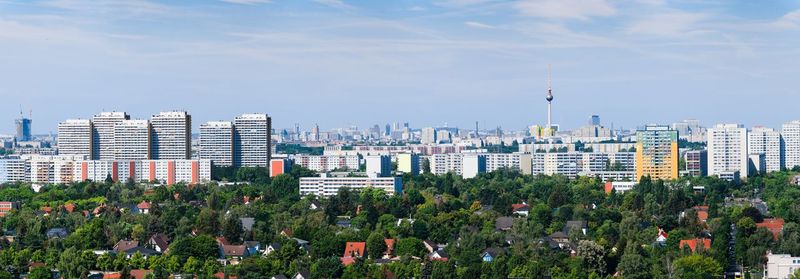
column 343, row 62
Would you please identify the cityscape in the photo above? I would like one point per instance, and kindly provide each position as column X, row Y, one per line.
column 214, row 185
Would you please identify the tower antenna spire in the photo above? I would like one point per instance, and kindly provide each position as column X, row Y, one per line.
column 549, row 99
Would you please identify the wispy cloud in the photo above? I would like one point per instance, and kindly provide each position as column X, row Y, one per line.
column 674, row 23
column 476, row 24
column 247, row 2
column 566, row 9
column 790, row 20
column 133, row 7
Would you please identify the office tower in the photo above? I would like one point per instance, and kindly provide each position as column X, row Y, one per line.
column 132, row 140
column 252, row 140
column 657, row 152
column 696, row 162
column 727, row 150
column 791, row 144
column 379, row 166
column 23, row 128
column 595, row 120
column 766, row 141
column 314, row 133
column 103, row 134
column 171, row 138
column 216, row 142
column 75, row 137
column 408, row 163
column 388, row 130
column 428, row 135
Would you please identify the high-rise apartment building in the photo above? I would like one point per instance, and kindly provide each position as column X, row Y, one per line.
column 791, row 143
column 767, row 141
column 75, row 137
column 171, row 138
column 379, row 165
column 216, row 142
column 657, row 152
column 252, row 140
column 696, row 162
column 408, row 163
column 103, row 134
column 727, row 150
column 132, row 140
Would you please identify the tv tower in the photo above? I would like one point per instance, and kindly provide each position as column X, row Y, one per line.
column 549, row 99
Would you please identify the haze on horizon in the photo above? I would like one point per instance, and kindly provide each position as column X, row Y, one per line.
column 343, row 62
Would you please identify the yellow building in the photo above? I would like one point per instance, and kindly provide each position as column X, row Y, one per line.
column 408, row 163
column 657, row 153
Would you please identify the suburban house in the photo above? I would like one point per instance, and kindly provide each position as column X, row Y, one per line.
column 504, row 223
column 693, row 243
column 581, row 226
column 773, row 225
column 490, row 254
column 520, row 209
column 352, row 251
column 144, row 207
column 438, row 255
column 158, row 242
column 56, row 233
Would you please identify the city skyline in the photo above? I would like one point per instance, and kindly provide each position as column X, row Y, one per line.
column 453, row 61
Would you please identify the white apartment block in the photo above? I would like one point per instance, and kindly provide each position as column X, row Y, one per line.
column 103, row 134
column 216, row 142
column 328, row 186
column 767, row 141
column 408, row 163
column 14, row 170
column 780, row 266
column 132, row 140
column 727, row 149
column 379, row 165
column 428, row 135
column 791, row 143
column 171, row 137
column 252, row 140
column 444, row 163
column 75, row 137
column 325, row 163
column 472, row 165
column 605, row 166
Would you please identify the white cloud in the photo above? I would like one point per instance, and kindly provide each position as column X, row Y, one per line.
column 566, row 9
column 476, row 24
column 674, row 23
column 790, row 20
column 247, row 2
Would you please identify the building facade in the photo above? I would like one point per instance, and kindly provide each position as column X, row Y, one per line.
column 657, row 152
column 75, row 137
column 791, row 143
column 216, row 142
column 328, row 186
column 727, row 150
column 323, row 163
column 252, row 140
column 767, row 141
column 781, row 266
column 132, row 140
column 103, row 134
column 408, row 163
column 171, row 137
column 379, row 165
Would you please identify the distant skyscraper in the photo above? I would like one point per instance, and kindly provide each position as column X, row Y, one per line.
column 657, row 152
column 315, row 133
column 75, row 137
column 23, row 128
column 766, row 141
column 388, row 130
column 103, row 134
column 727, row 150
column 595, row 120
column 791, row 143
column 171, row 136
column 132, row 140
column 252, row 140
column 428, row 135
column 216, row 142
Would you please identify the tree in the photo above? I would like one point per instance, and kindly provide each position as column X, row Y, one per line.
column 232, row 229
column 328, row 267
column 40, row 273
column 593, row 256
column 192, row 265
column 633, row 265
column 696, row 266
column 207, row 222
column 410, row 246
column 376, row 245
column 795, row 275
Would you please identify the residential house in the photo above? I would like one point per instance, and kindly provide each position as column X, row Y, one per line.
column 253, row 247
column 275, row 246
column 701, row 210
column 159, row 242
column 314, row 205
column 439, row 255
column 233, row 253
column 389, row 248
column 520, row 209
column 279, row 276
column 56, row 233
column 125, row 245
column 144, row 207
column 353, row 251
column 490, row 254
column 247, row 224
column 504, row 223
column 773, row 225
column 146, row 252
column 581, row 226
column 661, row 237
column 302, row 275
column 693, row 244
column 6, row 207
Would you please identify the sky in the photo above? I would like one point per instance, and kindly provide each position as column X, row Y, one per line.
column 339, row 63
